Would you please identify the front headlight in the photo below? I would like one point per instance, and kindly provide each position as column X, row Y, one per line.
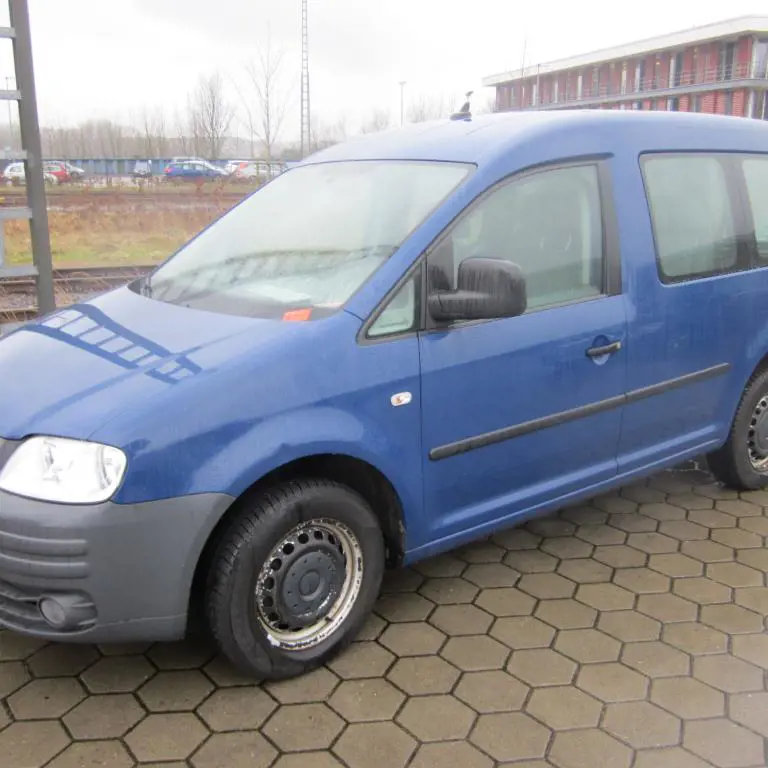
column 68, row 471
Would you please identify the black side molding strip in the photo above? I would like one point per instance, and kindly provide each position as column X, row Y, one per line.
column 563, row 417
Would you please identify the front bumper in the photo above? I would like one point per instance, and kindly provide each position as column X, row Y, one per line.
column 124, row 571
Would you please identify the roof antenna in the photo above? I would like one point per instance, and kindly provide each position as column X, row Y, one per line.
column 464, row 113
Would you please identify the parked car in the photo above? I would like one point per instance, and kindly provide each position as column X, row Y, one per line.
column 192, row 170
column 75, row 172
column 57, row 169
column 398, row 346
column 142, row 169
column 14, row 174
column 233, row 165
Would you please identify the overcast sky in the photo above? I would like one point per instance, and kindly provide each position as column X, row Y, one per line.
column 109, row 58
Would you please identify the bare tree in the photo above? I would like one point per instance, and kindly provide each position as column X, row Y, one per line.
column 423, row 108
column 266, row 113
column 210, row 115
column 378, row 120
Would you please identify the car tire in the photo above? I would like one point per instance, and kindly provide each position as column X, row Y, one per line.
column 742, row 462
column 293, row 578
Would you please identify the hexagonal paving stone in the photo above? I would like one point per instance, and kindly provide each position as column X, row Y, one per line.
column 401, row 580
column 306, row 760
column 461, row 620
column 754, row 558
column 633, row 523
column 753, row 598
column 614, row 504
column 46, row 698
column 306, row 689
column 493, row 691
column 612, row 682
column 117, row 674
column 551, row 526
column 31, row 744
column 667, row 608
column 590, row 514
column 601, row 535
column 372, row 629
column 587, row 646
column 684, row 530
column 375, row 745
column 441, row 566
column 655, row 659
column 589, row 748
column 475, row 652
column 15, row 647
column 731, row 619
column 728, row 674
column 299, row 727
column 694, row 638
column 362, row 660
column 541, row 667
column 567, row 548
column 359, row 701
column 723, row 743
column 752, row 648
column 448, row 591
column 480, row 552
column 676, row 565
column 739, row 508
column 224, row 674
column 421, row 675
column 109, row 716
column 641, row 724
column 187, row 654
column 412, row 639
column 523, row 632
column 166, row 737
column 711, row 518
column 662, row 512
column 531, row 561
column 436, row 718
column 653, row 543
column 407, row 607
column 707, row 551
column 751, row 710
column 735, row 575
column 669, row 757
column 175, row 691
column 225, row 750
column 566, row 614
column 642, row 493
column 506, row 602
column 564, row 707
column 605, row 597
column 487, row 575
column 702, row 591
column 737, row 538
column 237, row 709
column 510, row 736
column 586, row 571
column 620, row 556
column 100, row 753
column 690, row 501
column 758, row 525
column 62, row 660
column 454, row 754
column 516, row 539
column 687, row 698
column 641, row 580
column 13, row 675
column 629, row 626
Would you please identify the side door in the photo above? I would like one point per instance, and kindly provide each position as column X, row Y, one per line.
column 520, row 412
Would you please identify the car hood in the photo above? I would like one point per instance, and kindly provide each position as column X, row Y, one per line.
column 71, row 372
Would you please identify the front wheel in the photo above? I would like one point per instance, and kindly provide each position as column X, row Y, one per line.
column 742, row 463
column 294, row 578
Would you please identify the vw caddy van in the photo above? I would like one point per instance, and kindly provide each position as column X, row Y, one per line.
column 402, row 344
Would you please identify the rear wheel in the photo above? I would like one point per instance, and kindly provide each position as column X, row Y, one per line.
column 294, row 578
column 742, row 463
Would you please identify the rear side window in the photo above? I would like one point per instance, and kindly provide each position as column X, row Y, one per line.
column 756, row 177
column 693, row 222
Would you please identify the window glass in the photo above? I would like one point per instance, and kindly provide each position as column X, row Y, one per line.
column 756, row 175
column 548, row 223
column 692, row 217
column 400, row 315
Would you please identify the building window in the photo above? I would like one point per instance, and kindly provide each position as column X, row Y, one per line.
column 693, row 224
column 761, row 58
column 696, row 103
column 640, row 81
column 729, row 102
column 673, row 105
column 556, row 90
column 756, row 176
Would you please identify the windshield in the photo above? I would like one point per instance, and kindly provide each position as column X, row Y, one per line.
column 302, row 245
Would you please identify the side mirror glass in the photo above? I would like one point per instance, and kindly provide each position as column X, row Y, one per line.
column 486, row 289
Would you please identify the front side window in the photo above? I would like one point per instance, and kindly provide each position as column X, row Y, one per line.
column 306, row 241
column 756, row 177
column 692, row 218
column 401, row 314
column 548, row 223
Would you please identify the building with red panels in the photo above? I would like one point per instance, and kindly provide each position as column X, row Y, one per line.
column 719, row 68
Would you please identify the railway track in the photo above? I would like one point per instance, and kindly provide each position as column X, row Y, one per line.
column 17, row 294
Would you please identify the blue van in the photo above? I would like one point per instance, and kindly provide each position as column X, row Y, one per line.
column 400, row 345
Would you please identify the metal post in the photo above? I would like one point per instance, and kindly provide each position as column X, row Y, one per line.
column 402, row 102
column 30, row 137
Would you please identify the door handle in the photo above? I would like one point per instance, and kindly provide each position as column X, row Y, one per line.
column 606, row 349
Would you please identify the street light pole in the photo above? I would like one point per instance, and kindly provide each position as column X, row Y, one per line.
column 402, row 102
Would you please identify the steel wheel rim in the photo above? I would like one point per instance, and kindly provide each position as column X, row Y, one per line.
column 332, row 547
column 758, row 454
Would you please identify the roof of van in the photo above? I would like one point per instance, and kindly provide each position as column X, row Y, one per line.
column 480, row 137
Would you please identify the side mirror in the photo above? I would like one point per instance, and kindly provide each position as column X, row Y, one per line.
column 486, row 289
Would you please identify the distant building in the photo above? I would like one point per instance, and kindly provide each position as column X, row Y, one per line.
column 719, row 68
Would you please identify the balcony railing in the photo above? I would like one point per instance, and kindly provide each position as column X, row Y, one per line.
column 649, row 85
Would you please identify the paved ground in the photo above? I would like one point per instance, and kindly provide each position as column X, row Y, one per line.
column 625, row 632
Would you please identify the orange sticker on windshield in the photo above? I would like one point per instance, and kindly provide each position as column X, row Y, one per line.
column 298, row 314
